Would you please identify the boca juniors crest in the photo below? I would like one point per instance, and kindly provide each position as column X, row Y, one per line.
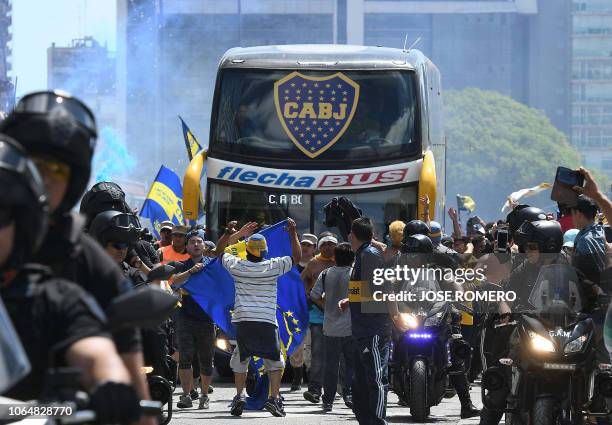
column 315, row 111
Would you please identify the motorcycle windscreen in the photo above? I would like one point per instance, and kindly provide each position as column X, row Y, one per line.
column 14, row 364
column 557, row 286
column 421, row 289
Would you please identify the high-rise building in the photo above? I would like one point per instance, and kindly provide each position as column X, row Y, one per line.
column 169, row 51
column 592, row 82
column 7, row 87
column 86, row 70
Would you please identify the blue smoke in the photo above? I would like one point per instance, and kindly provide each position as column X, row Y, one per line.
column 112, row 160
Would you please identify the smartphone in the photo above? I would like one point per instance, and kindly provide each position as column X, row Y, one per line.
column 502, row 240
column 608, row 233
column 562, row 191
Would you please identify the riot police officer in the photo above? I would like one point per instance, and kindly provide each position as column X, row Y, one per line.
column 117, row 232
column 539, row 243
column 420, row 243
column 57, row 322
column 59, row 133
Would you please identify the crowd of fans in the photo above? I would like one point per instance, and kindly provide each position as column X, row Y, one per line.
column 346, row 348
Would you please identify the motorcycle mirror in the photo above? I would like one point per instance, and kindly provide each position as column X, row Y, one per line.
column 146, row 308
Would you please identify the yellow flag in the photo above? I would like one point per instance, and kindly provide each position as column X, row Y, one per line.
column 238, row 249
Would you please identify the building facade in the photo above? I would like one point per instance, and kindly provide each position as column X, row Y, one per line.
column 7, row 86
column 592, row 82
column 169, row 51
column 85, row 69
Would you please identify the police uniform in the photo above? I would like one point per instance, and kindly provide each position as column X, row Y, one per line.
column 75, row 256
column 49, row 315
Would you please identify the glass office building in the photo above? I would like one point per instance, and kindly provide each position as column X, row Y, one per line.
column 592, row 82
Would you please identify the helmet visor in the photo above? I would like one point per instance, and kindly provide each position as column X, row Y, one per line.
column 47, row 102
column 126, row 221
column 12, row 159
column 524, row 233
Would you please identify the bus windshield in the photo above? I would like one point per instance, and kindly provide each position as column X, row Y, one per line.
column 267, row 206
column 259, row 118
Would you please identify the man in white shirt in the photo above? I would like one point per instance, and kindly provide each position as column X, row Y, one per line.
column 255, row 314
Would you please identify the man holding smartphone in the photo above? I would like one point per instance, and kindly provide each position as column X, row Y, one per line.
column 590, row 244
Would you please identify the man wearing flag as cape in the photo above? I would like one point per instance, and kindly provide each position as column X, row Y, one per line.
column 255, row 314
column 255, row 307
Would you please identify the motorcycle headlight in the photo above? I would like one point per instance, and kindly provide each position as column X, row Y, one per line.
column 575, row 345
column 410, row 320
column 540, row 343
column 223, row 344
column 434, row 320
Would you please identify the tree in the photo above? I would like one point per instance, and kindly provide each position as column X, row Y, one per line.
column 496, row 146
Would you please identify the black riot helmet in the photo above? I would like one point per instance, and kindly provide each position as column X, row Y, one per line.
column 115, row 226
column 523, row 213
column 23, row 201
column 417, row 244
column 416, row 227
column 546, row 233
column 103, row 196
column 57, row 126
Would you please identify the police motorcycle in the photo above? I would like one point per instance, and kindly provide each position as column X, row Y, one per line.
column 422, row 358
column 64, row 402
column 551, row 374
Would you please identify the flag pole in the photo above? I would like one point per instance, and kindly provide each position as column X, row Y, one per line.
column 458, row 210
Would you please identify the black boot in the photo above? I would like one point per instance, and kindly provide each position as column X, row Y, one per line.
column 468, row 410
column 297, row 379
column 460, row 383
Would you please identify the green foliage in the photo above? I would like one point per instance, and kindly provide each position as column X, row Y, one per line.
column 496, row 146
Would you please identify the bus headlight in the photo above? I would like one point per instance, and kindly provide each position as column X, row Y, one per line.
column 575, row 345
column 410, row 320
column 539, row 343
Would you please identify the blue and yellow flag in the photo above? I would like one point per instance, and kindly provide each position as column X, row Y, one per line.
column 193, row 147
column 164, row 201
column 191, row 143
column 213, row 290
column 465, row 203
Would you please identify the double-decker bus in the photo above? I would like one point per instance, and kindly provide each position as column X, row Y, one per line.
column 294, row 126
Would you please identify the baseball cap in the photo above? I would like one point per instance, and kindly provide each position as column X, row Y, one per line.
column 327, row 238
column 435, row 232
column 569, row 237
column 180, row 230
column 309, row 238
column 166, row 225
column 196, row 233
column 210, row 245
column 256, row 245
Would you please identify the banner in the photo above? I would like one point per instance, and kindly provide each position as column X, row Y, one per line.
column 465, row 203
column 524, row 193
column 163, row 200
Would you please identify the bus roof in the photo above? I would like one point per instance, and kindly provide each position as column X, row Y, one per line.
column 321, row 56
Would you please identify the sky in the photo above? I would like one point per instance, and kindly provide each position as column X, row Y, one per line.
column 38, row 23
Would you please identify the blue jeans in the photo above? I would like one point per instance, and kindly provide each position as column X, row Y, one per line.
column 334, row 346
column 371, row 382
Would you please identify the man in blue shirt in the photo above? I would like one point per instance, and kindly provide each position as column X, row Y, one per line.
column 371, row 324
column 590, row 244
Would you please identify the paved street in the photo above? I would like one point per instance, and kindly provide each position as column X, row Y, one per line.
column 302, row 412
